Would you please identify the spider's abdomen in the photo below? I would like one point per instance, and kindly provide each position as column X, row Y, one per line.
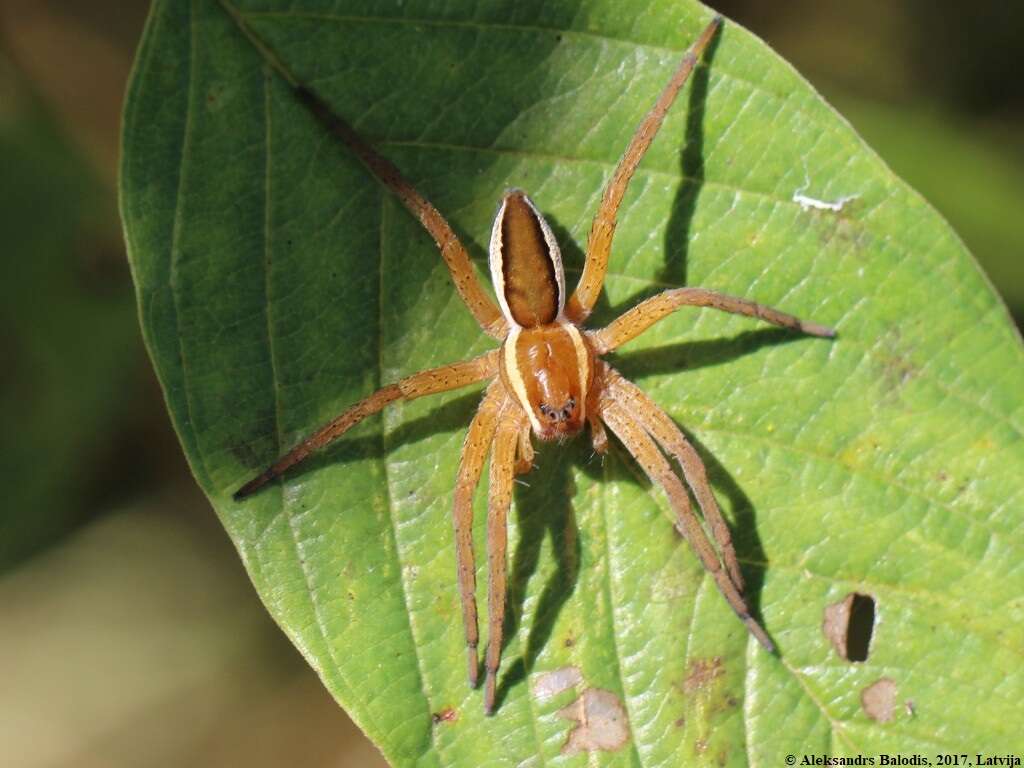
column 526, row 264
column 549, row 368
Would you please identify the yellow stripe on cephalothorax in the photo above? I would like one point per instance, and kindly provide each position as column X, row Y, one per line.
column 548, row 370
column 582, row 359
column 515, row 375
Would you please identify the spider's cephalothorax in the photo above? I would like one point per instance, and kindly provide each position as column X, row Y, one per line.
column 547, row 377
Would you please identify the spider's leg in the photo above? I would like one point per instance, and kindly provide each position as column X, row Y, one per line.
column 524, row 450
column 599, row 244
column 660, row 426
column 475, row 449
column 500, row 498
column 657, row 468
column 452, row 250
column 427, row 382
column 631, row 324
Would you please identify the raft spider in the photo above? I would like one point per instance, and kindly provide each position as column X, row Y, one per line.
column 547, row 376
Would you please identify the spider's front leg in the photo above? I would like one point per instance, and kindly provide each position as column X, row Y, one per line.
column 599, row 243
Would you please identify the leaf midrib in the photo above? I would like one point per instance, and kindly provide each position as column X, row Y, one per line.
column 385, row 462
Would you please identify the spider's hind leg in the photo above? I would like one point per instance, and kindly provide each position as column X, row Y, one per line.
column 503, row 464
column 659, row 425
column 656, row 467
column 475, row 449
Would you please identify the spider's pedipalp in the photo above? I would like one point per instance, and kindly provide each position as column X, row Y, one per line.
column 475, row 449
column 503, row 456
column 524, row 451
column 599, row 244
column 598, row 434
column 657, row 468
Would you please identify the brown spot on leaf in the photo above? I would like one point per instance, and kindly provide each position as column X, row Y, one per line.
column 601, row 723
column 550, row 684
column 892, row 359
column 849, row 625
column 702, row 672
column 446, row 715
column 837, row 226
column 671, row 584
column 879, row 700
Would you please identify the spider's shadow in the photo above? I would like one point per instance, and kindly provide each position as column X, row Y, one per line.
column 540, row 511
column 677, row 231
column 691, row 166
column 453, row 415
column 544, row 497
column 544, row 507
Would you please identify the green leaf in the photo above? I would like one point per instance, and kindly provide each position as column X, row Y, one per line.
column 278, row 283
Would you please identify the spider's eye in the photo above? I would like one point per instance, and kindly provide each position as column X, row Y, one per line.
column 566, row 412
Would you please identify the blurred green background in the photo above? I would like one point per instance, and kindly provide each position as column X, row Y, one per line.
column 129, row 634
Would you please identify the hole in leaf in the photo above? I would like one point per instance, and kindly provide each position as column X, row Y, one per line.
column 862, row 626
column 850, row 624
